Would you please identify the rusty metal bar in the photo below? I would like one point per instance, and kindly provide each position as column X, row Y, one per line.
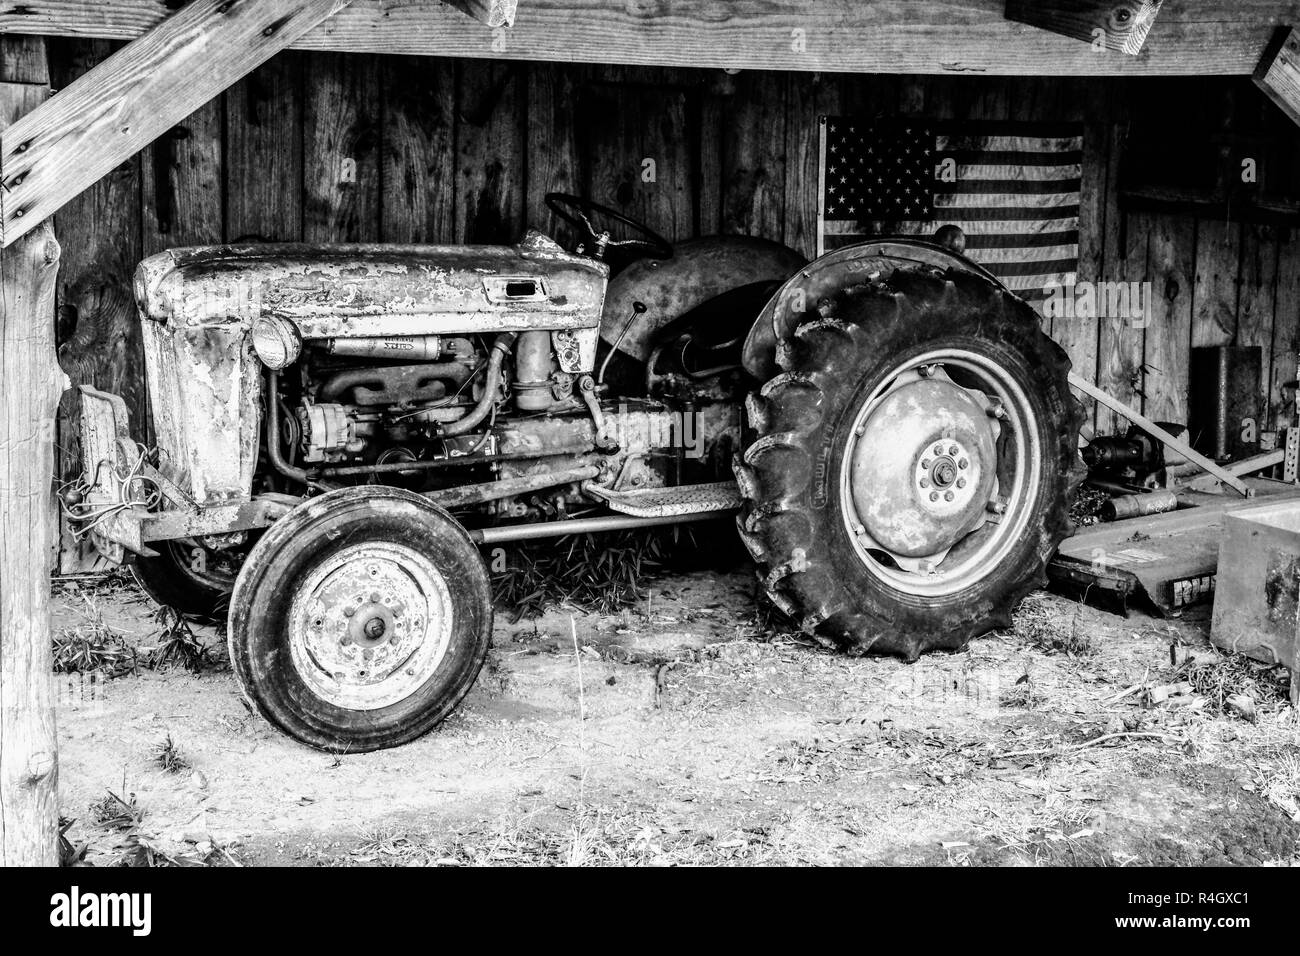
column 556, row 529
column 506, row 488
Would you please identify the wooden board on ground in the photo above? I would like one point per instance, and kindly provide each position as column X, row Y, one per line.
column 1166, row 561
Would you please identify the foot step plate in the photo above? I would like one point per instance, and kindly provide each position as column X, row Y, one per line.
column 680, row 500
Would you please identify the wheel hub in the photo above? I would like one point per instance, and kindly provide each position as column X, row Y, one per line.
column 370, row 626
column 924, row 466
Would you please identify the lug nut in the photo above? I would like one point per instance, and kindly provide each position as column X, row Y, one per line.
column 925, row 482
column 963, row 463
column 961, row 482
column 947, row 496
column 954, row 451
column 934, row 496
column 938, row 449
column 925, row 462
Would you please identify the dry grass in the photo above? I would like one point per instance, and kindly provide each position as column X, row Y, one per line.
column 1278, row 782
column 596, row 837
column 594, row 573
column 177, row 646
column 1221, row 677
column 168, row 756
column 115, row 814
column 1043, row 623
column 92, row 646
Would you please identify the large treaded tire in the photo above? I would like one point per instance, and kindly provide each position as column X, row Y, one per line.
column 829, row 366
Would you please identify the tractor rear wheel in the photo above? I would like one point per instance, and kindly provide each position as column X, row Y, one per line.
column 913, row 464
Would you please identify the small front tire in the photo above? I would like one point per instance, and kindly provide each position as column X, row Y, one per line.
column 360, row 619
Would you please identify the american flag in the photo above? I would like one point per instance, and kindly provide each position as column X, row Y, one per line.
column 1012, row 187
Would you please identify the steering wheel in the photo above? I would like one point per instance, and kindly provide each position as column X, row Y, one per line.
column 577, row 212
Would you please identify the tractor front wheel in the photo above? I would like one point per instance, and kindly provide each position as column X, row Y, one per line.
column 360, row 619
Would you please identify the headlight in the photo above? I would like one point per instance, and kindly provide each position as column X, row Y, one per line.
column 276, row 342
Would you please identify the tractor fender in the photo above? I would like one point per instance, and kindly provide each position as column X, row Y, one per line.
column 860, row 262
column 699, row 271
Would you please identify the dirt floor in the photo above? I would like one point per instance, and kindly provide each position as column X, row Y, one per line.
column 683, row 731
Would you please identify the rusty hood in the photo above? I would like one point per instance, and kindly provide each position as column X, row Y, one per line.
column 356, row 290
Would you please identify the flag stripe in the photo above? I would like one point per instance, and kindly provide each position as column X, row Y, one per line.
column 977, row 240
column 1011, row 187
column 1011, row 157
column 1009, row 173
column 1022, row 144
column 1004, row 205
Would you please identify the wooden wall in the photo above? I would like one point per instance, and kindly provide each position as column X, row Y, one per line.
column 358, row 147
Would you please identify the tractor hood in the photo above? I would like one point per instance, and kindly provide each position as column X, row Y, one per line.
column 372, row 290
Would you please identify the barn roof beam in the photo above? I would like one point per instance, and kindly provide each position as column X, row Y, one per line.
column 1189, row 37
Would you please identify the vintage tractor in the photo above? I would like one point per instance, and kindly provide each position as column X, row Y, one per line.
column 340, row 429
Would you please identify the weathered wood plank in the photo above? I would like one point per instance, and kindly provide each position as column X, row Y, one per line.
column 419, row 157
column 99, row 335
column 1119, row 348
column 555, row 162
column 1171, row 251
column 490, row 147
column 752, row 151
column 341, row 148
column 1118, row 25
column 1255, row 303
column 1077, row 335
column 808, row 97
column 69, row 142
column 30, row 383
column 183, row 171
column 1285, row 352
column 1218, row 266
column 641, row 157
column 852, row 36
column 1278, row 73
column 264, row 133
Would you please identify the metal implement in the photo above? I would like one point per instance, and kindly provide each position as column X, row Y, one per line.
column 1147, row 425
column 1257, row 597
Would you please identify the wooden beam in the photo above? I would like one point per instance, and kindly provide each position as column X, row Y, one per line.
column 30, row 383
column 1117, row 25
column 846, row 36
column 1278, row 73
column 495, row 13
column 141, row 91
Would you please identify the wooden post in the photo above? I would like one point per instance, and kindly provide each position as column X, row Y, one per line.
column 30, row 383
